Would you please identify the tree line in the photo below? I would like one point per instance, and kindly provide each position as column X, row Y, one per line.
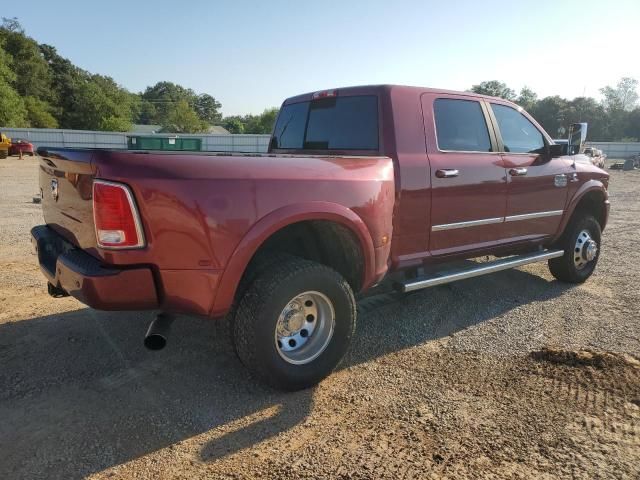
column 41, row 89
column 615, row 118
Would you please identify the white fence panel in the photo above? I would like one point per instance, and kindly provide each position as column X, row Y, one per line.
column 617, row 149
column 43, row 137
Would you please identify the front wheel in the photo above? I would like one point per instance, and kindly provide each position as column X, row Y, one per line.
column 294, row 323
column 581, row 245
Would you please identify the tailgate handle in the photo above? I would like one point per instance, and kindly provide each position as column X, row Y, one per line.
column 447, row 173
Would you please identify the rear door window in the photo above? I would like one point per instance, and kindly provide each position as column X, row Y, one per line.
column 335, row 123
column 461, row 126
column 519, row 135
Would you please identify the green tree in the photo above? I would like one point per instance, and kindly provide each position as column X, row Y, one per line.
column 183, row 119
column 632, row 129
column 33, row 77
column 66, row 80
column 494, row 88
column 234, row 125
column 624, row 96
column 97, row 104
column 208, row 109
column 39, row 113
column 113, row 123
column 146, row 112
column 586, row 109
column 12, row 25
column 165, row 96
column 527, row 98
column 268, row 119
column 13, row 112
column 551, row 113
column 260, row 124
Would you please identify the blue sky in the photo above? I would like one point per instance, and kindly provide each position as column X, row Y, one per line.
column 251, row 55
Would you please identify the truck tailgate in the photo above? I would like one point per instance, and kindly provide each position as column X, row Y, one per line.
column 66, row 180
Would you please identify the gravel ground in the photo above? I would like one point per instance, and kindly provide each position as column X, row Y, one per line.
column 509, row 375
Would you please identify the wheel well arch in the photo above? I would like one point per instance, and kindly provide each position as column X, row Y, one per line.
column 323, row 241
column 592, row 202
column 333, row 223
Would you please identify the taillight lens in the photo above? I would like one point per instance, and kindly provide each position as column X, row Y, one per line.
column 115, row 216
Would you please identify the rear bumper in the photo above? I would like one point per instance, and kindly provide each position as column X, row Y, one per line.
column 87, row 279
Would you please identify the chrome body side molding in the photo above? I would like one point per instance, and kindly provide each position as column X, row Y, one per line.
column 472, row 223
column 489, row 221
column 529, row 216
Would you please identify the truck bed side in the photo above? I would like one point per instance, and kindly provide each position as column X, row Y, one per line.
column 197, row 209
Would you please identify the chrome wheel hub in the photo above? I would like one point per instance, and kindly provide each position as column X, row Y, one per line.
column 304, row 328
column 585, row 250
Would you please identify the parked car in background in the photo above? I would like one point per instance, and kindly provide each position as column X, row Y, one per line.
column 595, row 155
column 360, row 186
column 20, row 145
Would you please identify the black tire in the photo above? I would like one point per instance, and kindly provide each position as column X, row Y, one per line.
column 257, row 315
column 564, row 268
column 261, row 263
column 3, row 154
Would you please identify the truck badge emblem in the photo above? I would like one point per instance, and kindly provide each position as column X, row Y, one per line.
column 54, row 189
column 560, row 180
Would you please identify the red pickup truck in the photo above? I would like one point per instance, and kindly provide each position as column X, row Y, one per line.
column 360, row 186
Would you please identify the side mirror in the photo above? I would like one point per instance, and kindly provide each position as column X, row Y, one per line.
column 557, row 150
column 577, row 137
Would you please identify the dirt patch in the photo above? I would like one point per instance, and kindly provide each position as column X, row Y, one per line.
column 456, row 382
column 577, row 358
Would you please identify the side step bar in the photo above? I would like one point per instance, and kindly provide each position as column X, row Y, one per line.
column 476, row 270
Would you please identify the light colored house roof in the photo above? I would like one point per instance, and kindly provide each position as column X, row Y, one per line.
column 217, row 130
column 137, row 128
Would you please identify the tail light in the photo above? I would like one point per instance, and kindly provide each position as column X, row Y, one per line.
column 115, row 216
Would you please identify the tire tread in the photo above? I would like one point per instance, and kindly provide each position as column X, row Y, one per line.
column 563, row 268
column 250, row 306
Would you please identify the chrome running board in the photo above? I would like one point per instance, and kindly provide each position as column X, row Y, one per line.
column 476, row 270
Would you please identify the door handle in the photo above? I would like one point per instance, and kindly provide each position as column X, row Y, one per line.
column 518, row 172
column 447, row 173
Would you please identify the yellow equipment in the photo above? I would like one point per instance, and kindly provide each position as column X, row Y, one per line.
column 5, row 143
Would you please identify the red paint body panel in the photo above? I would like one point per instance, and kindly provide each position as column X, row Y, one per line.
column 205, row 215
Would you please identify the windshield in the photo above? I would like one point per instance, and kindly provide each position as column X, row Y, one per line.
column 336, row 123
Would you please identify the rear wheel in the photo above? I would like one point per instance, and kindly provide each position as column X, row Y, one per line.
column 581, row 245
column 4, row 153
column 294, row 324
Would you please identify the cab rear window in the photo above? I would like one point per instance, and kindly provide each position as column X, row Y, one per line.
column 335, row 123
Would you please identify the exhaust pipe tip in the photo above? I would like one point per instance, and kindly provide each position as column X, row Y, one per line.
column 155, row 342
column 158, row 333
column 56, row 292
